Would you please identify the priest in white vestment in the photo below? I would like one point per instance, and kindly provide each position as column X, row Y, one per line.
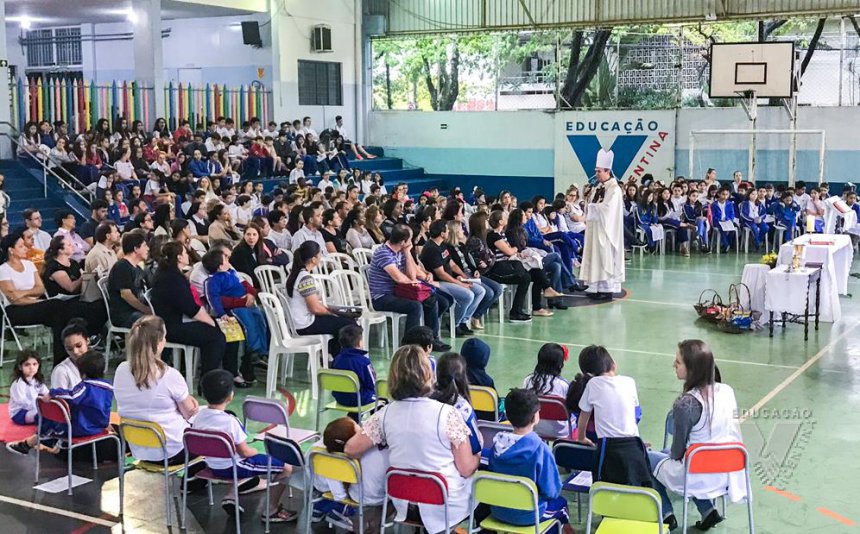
column 603, row 260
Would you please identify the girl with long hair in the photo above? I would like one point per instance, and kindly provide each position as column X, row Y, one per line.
column 545, row 380
column 452, row 388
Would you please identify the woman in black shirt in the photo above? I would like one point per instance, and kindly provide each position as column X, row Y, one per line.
column 331, row 232
column 174, row 300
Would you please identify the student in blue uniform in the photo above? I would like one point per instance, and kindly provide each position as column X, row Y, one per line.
column 785, row 215
column 753, row 212
column 646, row 214
column 694, row 214
column 353, row 357
column 723, row 210
column 452, row 387
column 522, row 453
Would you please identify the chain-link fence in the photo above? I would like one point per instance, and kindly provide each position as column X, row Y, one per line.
column 659, row 67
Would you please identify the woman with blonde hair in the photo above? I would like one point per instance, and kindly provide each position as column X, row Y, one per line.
column 421, row 433
column 372, row 219
column 148, row 389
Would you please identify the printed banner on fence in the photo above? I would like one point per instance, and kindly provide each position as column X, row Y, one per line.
column 642, row 141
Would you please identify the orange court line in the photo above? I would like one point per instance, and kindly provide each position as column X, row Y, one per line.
column 787, row 495
column 842, row 519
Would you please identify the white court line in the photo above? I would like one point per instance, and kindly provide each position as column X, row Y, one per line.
column 59, row 511
column 677, row 304
column 647, row 353
column 694, row 272
column 793, row 376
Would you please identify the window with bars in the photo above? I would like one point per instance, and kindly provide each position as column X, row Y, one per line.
column 53, row 47
column 320, row 83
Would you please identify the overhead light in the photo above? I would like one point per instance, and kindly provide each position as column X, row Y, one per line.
column 131, row 15
column 25, row 23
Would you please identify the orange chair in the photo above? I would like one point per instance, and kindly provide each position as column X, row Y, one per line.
column 718, row 458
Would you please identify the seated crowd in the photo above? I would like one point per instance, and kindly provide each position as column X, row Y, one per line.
column 171, row 257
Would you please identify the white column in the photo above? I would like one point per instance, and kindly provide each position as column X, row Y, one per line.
column 5, row 94
column 279, row 86
column 148, row 58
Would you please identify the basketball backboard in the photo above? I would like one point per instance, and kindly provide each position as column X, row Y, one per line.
column 739, row 68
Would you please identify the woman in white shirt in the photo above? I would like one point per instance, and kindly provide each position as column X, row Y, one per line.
column 160, row 164
column 23, row 293
column 357, row 235
column 148, row 389
column 125, row 168
column 422, row 433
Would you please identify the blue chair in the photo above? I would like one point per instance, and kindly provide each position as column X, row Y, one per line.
column 287, row 451
column 577, row 458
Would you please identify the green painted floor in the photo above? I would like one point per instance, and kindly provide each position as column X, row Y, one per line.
column 802, row 436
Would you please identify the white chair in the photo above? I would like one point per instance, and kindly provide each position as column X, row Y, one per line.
column 362, row 256
column 7, row 324
column 747, row 234
column 327, row 265
column 346, row 261
column 271, row 277
column 394, row 317
column 716, row 240
column 289, row 254
column 355, row 292
column 189, row 352
column 112, row 328
column 285, row 343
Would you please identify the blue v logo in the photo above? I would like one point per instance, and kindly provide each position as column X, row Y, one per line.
column 625, row 148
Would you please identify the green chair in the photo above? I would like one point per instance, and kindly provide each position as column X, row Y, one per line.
column 625, row 509
column 382, row 395
column 339, row 381
column 519, row 493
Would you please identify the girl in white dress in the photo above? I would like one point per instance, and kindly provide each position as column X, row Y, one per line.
column 422, row 433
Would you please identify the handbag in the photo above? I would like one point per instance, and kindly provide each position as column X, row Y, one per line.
column 419, row 292
column 90, row 291
column 232, row 329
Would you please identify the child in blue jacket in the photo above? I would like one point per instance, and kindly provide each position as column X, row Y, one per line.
column 89, row 405
column 785, row 215
column 523, row 453
column 723, row 210
column 353, row 357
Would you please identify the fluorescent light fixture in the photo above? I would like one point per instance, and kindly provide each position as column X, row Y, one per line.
column 131, row 15
column 25, row 23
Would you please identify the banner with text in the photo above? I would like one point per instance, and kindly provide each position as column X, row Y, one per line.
column 643, row 142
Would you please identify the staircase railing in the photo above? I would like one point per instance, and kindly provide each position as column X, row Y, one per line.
column 14, row 138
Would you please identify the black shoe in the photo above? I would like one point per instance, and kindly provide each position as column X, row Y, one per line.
column 555, row 304
column 463, row 330
column 196, row 484
column 232, row 508
column 670, row 522
column 602, row 297
column 579, row 286
column 709, row 521
column 248, row 486
column 241, row 383
column 440, row 346
column 519, row 318
column 19, row 448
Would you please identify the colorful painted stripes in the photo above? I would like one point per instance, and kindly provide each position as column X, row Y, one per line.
column 80, row 103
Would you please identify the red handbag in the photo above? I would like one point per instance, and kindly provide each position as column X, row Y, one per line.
column 419, row 291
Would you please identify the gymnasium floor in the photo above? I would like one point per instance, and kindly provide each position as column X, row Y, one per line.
column 801, row 433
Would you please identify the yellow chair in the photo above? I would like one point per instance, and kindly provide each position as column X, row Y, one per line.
column 335, row 466
column 485, row 399
column 148, row 434
column 519, row 493
column 340, row 381
column 625, row 509
column 382, row 391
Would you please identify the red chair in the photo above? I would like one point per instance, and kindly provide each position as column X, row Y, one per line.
column 552, row 408
column 57, row 411
column 209, row 444
column 416, row 487
column 718, row 458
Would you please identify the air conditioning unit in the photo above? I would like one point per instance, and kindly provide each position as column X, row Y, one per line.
column 321, row 38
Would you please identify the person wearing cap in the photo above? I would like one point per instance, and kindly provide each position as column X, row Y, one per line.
column 603, row 259
column 326, row 181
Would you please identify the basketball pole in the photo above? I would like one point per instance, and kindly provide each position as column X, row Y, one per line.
column 751, row 108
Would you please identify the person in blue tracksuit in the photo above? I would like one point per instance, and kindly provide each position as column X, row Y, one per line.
column 670, row 218
column 752, row 216
column 353, row 357
column 646, row 215
column 785, row 215
column 693, row 213
column 452, row 387
column 523, row 453
column 723, row 210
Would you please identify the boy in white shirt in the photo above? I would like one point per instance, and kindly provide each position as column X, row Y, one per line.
column 298, row 172
column 217, row 387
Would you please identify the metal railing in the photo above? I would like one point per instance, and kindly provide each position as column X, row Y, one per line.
column 14, row 135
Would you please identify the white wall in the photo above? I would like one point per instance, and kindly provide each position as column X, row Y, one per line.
column 292, row 23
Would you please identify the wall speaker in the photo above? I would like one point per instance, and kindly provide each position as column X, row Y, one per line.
column 321, row 38
column 251, row 33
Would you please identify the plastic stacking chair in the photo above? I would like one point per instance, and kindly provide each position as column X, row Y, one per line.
column 148, row 434
column 284, row 343
column 57, row 411
column 415, row 487
column 382, row 395
column 625, row 509
column 362, row 256
column 212, row 444
column 112, row 329
column 188, row 352
column 340, row 381
column 271, row 277
column 285, row 450
column 577, row 458
column 519, row 493
column 336, row 466
column 355, row 292
column 485, row 399
column 718, row 458
column 274, row 412
column 393, row 316
column 552, row 408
